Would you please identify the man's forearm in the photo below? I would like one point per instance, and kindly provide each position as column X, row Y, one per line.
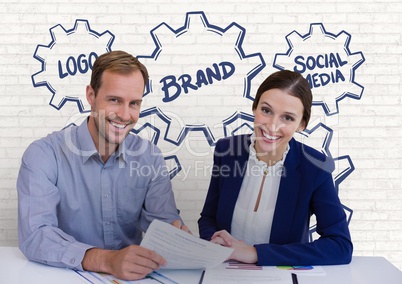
column 97, row 260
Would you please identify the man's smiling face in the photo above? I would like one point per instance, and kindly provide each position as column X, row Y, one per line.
column 115, row 109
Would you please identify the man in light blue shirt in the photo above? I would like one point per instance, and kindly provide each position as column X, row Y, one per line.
column 87, row 193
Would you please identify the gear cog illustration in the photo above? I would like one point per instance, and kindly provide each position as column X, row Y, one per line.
column 213, row 71
column 319, row 137
column 67, row 60
column 153, row 132
column 330, row 69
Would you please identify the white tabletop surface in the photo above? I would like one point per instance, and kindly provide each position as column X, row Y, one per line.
column 15, row 268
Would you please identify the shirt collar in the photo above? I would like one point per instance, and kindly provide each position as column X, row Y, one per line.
column 85, row 141
column 121, row 151
column 253, row 153
column 88, row 148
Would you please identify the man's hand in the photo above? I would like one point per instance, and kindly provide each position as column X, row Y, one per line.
column 242, row 251
column 131, row 263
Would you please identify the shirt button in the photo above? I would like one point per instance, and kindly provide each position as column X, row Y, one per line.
column 72, row 261
column 106, row 195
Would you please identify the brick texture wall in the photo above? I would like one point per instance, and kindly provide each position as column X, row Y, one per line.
column 367, row 128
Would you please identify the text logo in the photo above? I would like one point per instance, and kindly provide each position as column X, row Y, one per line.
column 327, row 63
column 66, row 62
column 197, row 72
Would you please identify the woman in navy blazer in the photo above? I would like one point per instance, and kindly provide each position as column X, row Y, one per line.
column 305, row 186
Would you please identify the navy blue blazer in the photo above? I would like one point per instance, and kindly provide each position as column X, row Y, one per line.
column 306, row 188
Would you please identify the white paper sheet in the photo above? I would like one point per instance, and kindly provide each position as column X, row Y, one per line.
column 181, row 249
column 245, row 274
column 101, row 278
column 235, row 272
column 302, row 270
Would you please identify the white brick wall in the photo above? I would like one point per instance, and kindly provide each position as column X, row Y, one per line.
column 369, row 130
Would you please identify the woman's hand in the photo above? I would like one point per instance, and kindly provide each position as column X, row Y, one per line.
column 242, row 251
column 179, row 225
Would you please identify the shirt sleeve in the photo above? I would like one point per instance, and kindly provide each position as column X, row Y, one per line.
column 159, row 201
column 40, row 239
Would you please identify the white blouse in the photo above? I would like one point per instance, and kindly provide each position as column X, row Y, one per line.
column 252, row 220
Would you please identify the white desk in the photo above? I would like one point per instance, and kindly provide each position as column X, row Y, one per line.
column 15, row 268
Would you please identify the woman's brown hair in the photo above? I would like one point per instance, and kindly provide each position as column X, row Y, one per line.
column 292, row 83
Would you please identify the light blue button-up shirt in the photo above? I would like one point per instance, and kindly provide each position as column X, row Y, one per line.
column 70, row 201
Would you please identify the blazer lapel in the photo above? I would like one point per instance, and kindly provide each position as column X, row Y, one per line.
column 288, row 195
column 238, row 164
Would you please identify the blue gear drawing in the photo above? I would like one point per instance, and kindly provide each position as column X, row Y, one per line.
column 301, row 44
column 343, row 164
column 60, row 43
column 172, row 161
column 164, row 38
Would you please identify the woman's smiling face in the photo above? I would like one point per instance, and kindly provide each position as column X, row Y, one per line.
column 277, row 117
